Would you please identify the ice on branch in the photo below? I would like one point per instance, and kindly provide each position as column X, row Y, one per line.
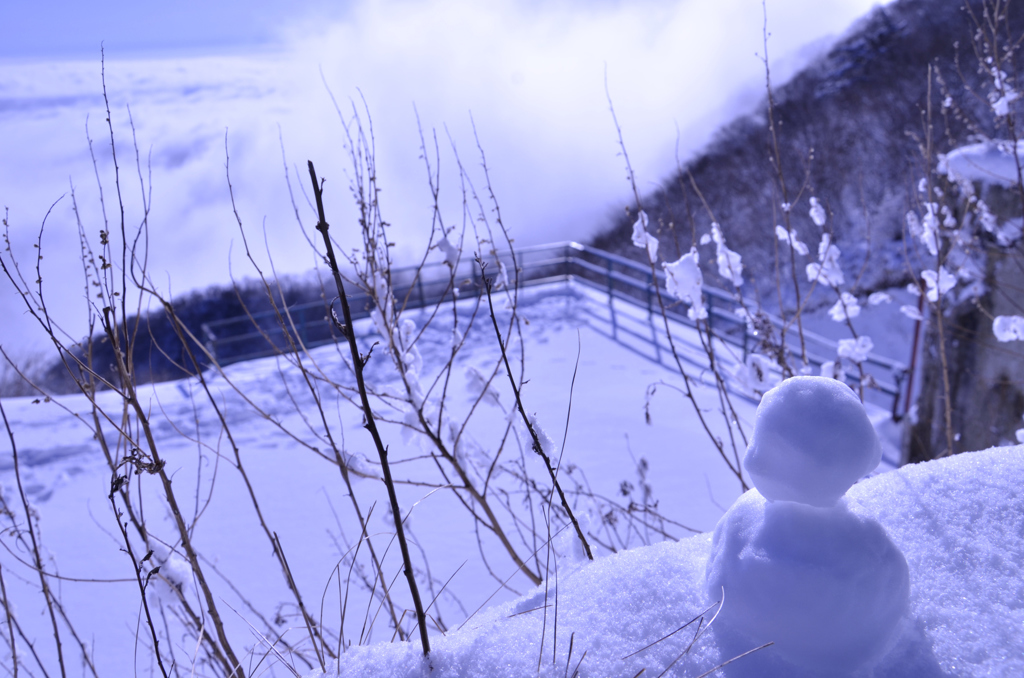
column 359, row 466
column 817, row 213
column 412, row 360
column 730, row 264
column 938, row 284
column 479, row 387
column 547, row 445
column 856, row 350
column 1006, row 233
column 948, row 218
column 641, row 238
column 174, row 571
column 384, row 304
column 451, row 253
column 927, row 229
column 502, row 279
column 1008, row 328
column 684, row 281
column 790, row 238
column 1001, row 106
column 757, row 375
column 1002, row 94
column 930, row 229
column 747, row 317
column 911, row 312
column 969, row 271
column 827, row 269
column 847, row 307
column 877, row 298
column 914, row 224
column 831, row 369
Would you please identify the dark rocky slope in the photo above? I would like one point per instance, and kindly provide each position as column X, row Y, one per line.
column 850, row 129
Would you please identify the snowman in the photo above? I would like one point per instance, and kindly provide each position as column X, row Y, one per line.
column 797, row 567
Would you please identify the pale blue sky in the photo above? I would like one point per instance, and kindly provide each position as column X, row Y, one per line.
column 75, row 28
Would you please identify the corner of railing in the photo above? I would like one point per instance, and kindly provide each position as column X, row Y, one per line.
column 210, row 341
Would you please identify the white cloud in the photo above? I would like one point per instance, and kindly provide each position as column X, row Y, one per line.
column 531, row 74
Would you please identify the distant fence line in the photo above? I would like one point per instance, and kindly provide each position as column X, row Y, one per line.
column 258, row 335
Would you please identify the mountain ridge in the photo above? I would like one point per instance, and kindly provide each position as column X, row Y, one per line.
column 850, row 128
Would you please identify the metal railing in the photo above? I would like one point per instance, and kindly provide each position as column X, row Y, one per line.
column 262, row 334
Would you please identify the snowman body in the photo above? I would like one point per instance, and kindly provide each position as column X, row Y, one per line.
column 797, row 567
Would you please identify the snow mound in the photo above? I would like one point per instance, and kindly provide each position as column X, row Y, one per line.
column 606, row 613
column 826, row 586
column 993, row 162
column 959, row 522
column 812, row 441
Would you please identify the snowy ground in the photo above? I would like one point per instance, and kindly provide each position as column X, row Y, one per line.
column 615, row 606
column 67, row 480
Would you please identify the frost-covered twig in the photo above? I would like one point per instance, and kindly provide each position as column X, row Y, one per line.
column 730, row 266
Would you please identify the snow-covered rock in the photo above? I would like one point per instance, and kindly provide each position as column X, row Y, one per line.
column 828, row 587
column 812, row 441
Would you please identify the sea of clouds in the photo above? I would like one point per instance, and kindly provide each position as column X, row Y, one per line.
column 533, row 78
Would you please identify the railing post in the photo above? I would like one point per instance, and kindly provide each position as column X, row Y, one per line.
column 611, row 301
column 744, row 340
column 711, row 314
column 899, row 377
column 419, row 286
column 654, row 337
column 211, row 342
column 650, row 282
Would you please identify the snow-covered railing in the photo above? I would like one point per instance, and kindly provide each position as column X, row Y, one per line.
column 260, row 334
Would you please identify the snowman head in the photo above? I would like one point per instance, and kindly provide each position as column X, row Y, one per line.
column 812, row 441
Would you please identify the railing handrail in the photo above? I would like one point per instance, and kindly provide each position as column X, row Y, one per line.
column 632, row 276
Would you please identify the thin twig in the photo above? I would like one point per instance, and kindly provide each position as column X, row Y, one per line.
column 537, row 447
column 370, row 424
